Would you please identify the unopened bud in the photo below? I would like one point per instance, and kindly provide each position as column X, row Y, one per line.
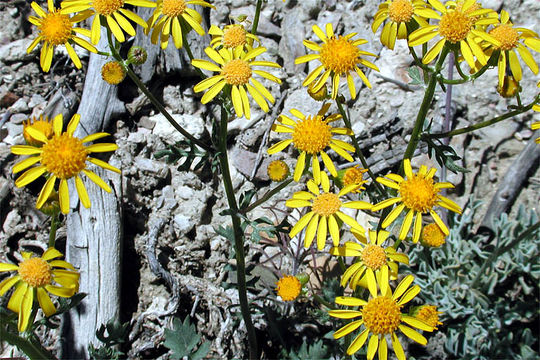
column 137, row 55
column 509, row 88
column 113, row 72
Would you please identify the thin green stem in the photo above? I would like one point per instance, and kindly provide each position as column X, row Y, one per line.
column 54, row 227
column 321, row 301
column 238, row 235
column 458, row 67
column 465, row 78
column 357, row 148
column 256, row 18
column 418, row 61
column 32, row 350
column 267, row 196
column 481, row 124
column 185, row 43
column 501, row 250
column 153, row 99
column 424, row 108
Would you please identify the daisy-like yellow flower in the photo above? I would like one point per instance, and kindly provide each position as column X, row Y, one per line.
column 432, row 235
column 419, row 194
column 277, row 170
column 56, row 28
column 231, row 36
column 311, row 135
column 113, row 72
column 110, row 12
column 62, row 157
column 288, row 287
column 399, row 14
column 325, row 212
column 235, row 68
column 355, row 176
column 168, row 18
column 381, row 316
column 338, row 55
column 429, row 315
column 45, row 126
column 457, row 27
column 373, row 260
column 510, row 39
column 36, row 277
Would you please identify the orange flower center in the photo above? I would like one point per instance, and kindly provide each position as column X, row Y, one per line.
column 400, row 11
column 355, row 176
column 432, row 235
column 311, row 135
column 64, row 156
column 56, row 28
column 455, row 26
column 35, row 272
column 373, row 256
column 419, row 193
column 381, row 315
column 173, row 8
column 339, row 55
column 288, row 288
column 41, row 125
column 236, row 72
column 107, row 7
column 234, row 36
column 277, row 170
column 507, row 36
column 113, row 73
column 326, row 204
column 429, row 315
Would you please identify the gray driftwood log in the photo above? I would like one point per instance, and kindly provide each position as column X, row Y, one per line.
column 512, row 183
column 94, row 235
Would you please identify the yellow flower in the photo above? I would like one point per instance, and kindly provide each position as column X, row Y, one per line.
column 319, row 95
column 432, row 235
column 311, row 136
column 400, row 13
column 509, row 88
column 169, row 17
column 45, row 126
column 536, row 126
column 231, row 36
column 355, row 176
column 325, row 212
column 113, row 72
column 338, row 55
column 373, row 260
column 62, row 157
column 277, row 170
column 110, row 11
column 288, row 287
column 457, row 26
column 429, row 315
column 381, row 316
column 37, row 276
column 510, row 39
column 419, row 194
column 235, row 68
column 56, row 28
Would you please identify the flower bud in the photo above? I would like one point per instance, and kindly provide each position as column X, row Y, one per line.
column 137, row 55
column 113, row 72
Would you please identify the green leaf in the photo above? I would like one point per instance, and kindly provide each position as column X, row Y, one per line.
column 183, row 339
column 414, row 73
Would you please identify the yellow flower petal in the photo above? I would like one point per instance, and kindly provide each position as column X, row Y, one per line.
column 358, row 342
column 347, row 329
column 30, row 175
column 302, row 223
column 45, row 302
column 8, row 283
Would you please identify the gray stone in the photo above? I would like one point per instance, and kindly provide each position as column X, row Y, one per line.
column 290, row 45
column 193, row 124
column 20, row 106
column 16, row 51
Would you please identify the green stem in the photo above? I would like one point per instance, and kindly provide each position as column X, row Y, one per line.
column 424, row 108
column 32, row 350
column 321, row 301
column 458, row 67
column 238, row 236
column 185, row 43
column 357, row 148
column 267, row 196
column 54, row 227
column 466, row 78
column 481, row 124
column 419, row 62
column 499, row 251
column 153, row 99
column 256, row 18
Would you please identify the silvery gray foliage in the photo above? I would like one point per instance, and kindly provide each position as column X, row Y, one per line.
column 497, row 317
